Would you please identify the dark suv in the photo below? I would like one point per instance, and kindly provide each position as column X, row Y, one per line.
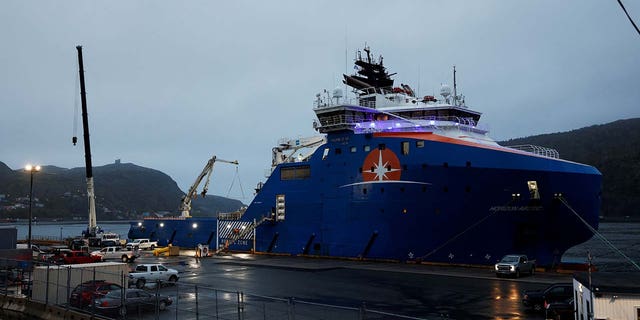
column 557, row 292
column 83, row 295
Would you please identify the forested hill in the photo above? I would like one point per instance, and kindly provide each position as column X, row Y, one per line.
column 613, row 148
column 123, row 191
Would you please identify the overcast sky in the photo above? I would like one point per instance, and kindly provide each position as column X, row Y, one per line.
column 171, row 83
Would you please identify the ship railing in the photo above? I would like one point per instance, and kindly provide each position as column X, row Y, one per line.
column 236, row 215
column 360, row 124
column 542, row 151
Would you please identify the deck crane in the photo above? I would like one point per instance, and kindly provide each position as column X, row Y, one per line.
column 185, row 207
column 292, row 146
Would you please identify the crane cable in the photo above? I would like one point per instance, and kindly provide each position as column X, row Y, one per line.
column 628, row 16
column 236, row 177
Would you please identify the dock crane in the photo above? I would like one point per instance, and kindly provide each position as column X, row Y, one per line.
column 185, row 207
column 92, row 227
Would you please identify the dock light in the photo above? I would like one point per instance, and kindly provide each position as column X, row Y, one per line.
column 139, row 224
column 161, row 224
column 195, row 225
column 31, row 169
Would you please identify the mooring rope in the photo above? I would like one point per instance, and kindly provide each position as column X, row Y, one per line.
column 605, row 240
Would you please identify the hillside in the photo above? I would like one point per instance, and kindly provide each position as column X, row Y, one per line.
column 123, row 191
column 613, row 149
column 126, row 191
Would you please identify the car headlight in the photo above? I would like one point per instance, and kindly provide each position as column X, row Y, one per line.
column 512, row 268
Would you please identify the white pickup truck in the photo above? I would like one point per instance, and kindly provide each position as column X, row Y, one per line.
column 142, row 244
column 117, row 253
column 151, row 273
column 515, row 265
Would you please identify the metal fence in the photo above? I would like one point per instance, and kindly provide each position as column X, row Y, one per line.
column 63, row 286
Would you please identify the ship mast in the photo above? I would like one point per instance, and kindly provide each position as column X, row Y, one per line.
column 92, row 227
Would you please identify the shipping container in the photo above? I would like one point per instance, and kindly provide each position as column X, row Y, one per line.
column 9, row 238
column 54, row 284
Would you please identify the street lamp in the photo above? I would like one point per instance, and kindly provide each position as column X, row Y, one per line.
column 30, row 169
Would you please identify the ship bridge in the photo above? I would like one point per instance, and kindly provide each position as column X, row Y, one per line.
column 385, row 110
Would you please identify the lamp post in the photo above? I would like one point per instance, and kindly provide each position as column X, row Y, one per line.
column 31, row 169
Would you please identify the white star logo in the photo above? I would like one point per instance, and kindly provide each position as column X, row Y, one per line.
column 382, row 168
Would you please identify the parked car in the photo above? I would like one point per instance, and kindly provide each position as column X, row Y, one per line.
column 142, row 244
column 144, row 273
column 116, row 253
column 560, row 310
column 515, row 265
column 73, row 257
column 86, row 292
column 110, row 243
column 136, row 300
column 78, row 243
column 535, row 299
column 10, row 277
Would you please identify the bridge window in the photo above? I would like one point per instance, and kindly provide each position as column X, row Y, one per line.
column 419, row 144
column 295, row 173
column 354, row 149
column 366, row 148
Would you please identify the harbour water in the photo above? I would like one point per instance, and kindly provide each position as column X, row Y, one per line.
column 62, row 230
column 625, row 236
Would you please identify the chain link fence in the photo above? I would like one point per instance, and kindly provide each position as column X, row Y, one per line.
column 103, row 289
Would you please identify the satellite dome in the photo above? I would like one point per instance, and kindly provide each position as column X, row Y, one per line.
column 445, row 91
column 337, row 93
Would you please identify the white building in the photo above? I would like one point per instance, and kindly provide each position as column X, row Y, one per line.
column 615, row 295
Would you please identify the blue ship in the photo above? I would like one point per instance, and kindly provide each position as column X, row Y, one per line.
column 398, row 177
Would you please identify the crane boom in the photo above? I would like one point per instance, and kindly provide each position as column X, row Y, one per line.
column 92, row 227
column 185, row 207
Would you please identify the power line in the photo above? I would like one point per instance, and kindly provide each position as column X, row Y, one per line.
column 628, row 16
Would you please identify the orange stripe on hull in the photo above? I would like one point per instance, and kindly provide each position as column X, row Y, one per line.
column 430, row 136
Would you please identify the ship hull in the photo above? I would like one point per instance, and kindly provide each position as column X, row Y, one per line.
column 434, row 199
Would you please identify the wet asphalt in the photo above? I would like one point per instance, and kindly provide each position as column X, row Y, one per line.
column 267, row 284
